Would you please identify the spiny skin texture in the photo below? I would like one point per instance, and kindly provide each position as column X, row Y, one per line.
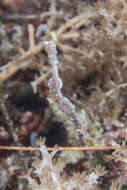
column 55, row 85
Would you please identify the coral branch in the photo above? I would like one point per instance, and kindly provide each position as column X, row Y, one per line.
column 64, row 148
column 31, row 37
column 11, row 129
column 12, row 67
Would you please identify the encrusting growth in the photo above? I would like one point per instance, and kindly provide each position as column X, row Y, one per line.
column 55, row 85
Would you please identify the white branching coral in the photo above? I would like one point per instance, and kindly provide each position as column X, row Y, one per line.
column 52, row 176
column 48, row 174
column 120, row 155
column 55, row 85
column 115, row 186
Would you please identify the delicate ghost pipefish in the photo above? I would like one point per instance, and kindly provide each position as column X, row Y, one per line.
column 55, row 86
